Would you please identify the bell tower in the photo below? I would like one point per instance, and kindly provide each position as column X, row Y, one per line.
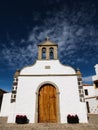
column 47, row 50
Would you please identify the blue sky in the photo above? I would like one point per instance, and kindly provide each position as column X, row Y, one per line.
column 73, row 25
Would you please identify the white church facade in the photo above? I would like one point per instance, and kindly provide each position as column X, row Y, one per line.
column 46, row 91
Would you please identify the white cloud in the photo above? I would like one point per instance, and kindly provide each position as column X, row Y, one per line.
column 80, row 31
column 70, row 35
column 32, row 37
column 68, row 29
column 22, row 41
column 19, row 56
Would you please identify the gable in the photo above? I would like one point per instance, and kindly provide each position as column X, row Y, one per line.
column 47, row 67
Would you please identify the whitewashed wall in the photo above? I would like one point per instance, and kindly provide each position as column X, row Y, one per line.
column 67, row 85
column 55, row 68
column 69, row 97
column 5, row 108
column 91, row 99
column 90, row 89
column 94, row 102
column 95, row 78
column 93, row 105
column 31, row 78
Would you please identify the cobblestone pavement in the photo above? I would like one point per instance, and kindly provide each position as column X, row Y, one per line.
column 92, row 125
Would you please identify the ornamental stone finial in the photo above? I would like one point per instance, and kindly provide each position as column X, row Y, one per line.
column 78, row 71
column 47, row 38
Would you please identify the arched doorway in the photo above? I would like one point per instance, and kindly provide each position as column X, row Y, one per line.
column 47, row 104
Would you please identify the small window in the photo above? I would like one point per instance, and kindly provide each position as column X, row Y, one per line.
column 96, row 84
column 86, row 92
column 43, row 53
column 51, row 53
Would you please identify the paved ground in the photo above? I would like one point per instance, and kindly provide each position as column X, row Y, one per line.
column 92, row 125
column 50, row 127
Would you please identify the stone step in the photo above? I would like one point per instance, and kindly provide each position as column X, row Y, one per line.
column 92, row 125
column 50, row 126
column 93, row 118
column 3, row 120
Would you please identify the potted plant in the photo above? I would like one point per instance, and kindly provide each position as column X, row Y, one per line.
column 21, row 119
column 72, row 119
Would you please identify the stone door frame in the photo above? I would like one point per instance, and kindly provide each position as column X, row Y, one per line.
column 57, row 101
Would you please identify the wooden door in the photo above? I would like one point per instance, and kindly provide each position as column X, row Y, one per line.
column 47, row 111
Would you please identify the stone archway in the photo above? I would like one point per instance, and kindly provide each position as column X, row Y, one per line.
column 47, row 104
